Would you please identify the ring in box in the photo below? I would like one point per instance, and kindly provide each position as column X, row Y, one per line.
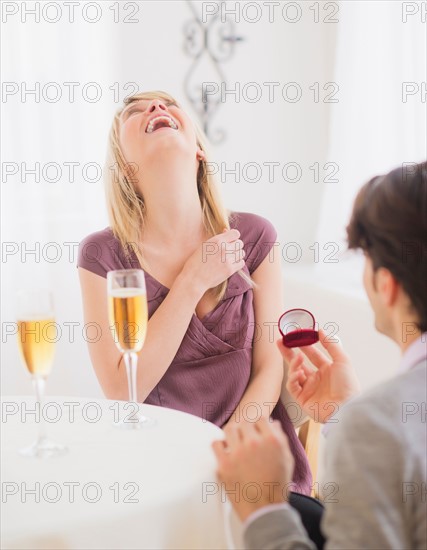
column 297, row 327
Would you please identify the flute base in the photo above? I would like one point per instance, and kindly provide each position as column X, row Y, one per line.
column 136, row 422
column 44, row 449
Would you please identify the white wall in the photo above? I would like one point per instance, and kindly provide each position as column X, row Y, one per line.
column 150, row 53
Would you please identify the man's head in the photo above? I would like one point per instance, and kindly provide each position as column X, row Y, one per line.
column 389, row 223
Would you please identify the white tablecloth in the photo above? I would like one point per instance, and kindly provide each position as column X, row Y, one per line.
column 151, row 488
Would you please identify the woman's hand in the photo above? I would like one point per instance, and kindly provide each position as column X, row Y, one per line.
column 320, row 392
column 215, row 260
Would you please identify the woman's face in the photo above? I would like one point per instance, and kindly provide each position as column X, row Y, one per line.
column 153, row 130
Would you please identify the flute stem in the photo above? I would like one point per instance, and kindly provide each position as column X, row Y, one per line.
column 131, row 361
column 39, row 384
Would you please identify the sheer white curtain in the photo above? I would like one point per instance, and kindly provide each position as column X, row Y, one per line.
column 42, row 221
column 123, row 50
column 372, row 128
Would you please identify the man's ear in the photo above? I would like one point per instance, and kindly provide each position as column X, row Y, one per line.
column 387, row 286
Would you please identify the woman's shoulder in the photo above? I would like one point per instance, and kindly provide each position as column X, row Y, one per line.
column 99, row 238
column 101, row 252
column 98, row 243
column 252, row 227
column 258, row 235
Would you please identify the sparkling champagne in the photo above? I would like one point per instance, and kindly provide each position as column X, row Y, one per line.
column 35, row 346
column 128, row 318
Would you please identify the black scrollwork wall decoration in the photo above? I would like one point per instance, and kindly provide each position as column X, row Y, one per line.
column 210, row 44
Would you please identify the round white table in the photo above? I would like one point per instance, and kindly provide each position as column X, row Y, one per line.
column 115, row 488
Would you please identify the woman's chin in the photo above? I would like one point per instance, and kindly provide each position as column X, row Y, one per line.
column 168, row 144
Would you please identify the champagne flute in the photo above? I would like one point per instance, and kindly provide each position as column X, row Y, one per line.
column 35, row 319
column 128, row 314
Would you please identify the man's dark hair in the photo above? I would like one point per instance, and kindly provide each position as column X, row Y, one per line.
column 389, row 223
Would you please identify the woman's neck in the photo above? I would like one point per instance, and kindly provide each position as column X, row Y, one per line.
column 173, row 209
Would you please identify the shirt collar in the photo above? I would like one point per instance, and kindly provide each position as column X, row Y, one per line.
column 415, row 353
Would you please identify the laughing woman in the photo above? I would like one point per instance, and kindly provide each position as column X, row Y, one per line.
column 213, row 287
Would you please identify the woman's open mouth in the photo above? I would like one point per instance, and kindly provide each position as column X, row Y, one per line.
column 161, row 121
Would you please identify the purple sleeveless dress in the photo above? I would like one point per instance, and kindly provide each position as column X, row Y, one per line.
column 212, row 366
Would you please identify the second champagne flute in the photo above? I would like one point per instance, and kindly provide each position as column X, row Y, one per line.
column 128, row 315
column 35, row 319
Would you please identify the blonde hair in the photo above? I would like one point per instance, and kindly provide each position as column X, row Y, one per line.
column 125, row 204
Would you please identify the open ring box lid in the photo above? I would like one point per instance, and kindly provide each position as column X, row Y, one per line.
column 297, row 327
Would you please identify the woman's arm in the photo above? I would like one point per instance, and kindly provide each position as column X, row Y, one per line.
column 165, row 331
column 265, row 384
column 166, row 327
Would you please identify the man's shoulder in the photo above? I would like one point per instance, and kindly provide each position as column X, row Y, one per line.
column 383, row 397
column 387, row 408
